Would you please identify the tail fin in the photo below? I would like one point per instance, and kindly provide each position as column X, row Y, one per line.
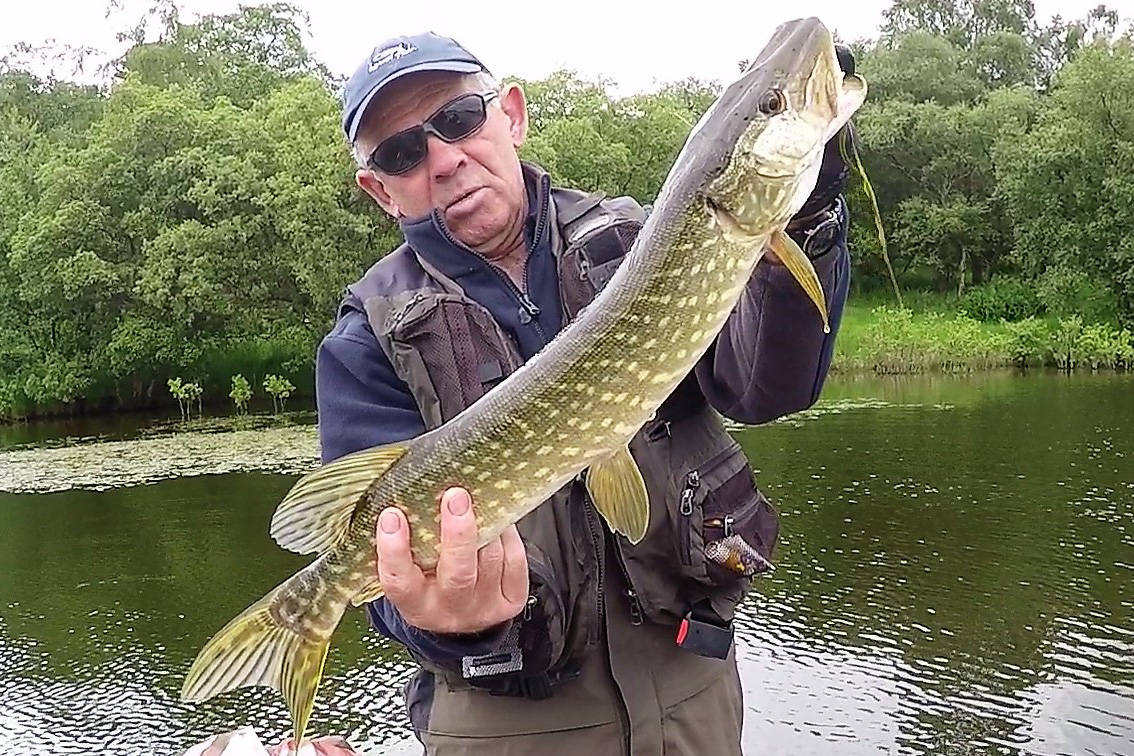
column 254, row 648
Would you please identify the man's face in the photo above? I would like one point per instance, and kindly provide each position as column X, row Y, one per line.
column 476, row 183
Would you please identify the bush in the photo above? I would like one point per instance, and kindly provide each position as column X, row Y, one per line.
column 888, row 339
column 1065, row 342
column 185, row 393
column 1002, row 298
column 241, row 393
column 1103, row 346
column 1068, row 291
column 1028, row 341
column 898, row 341
column 280, row 389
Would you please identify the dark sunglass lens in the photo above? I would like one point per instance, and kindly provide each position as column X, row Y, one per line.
column 400, row 152
column 460, row 118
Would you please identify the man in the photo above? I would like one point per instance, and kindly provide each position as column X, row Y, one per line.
column 558, row 635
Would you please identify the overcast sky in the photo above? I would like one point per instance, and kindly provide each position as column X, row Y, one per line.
column 637, row 48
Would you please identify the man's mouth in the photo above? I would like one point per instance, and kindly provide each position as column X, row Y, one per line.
column 462, row 198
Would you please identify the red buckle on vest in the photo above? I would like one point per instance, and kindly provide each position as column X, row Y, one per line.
column 682, row 630
column 704, row 638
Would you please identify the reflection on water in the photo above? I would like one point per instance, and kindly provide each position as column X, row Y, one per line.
column 954, row 576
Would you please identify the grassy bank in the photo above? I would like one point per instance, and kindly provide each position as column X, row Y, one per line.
column 932, row 333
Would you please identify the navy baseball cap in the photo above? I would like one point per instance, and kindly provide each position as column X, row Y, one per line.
column 395, row 58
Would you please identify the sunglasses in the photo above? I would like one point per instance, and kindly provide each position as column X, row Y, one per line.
column 453, row 121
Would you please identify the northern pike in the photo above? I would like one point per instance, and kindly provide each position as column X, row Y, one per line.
column 744, row 170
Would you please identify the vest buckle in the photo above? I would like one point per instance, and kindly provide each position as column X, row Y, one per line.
column 704, row 637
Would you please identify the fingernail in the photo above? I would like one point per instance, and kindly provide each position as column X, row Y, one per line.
column 389, row 521
column 458, row 502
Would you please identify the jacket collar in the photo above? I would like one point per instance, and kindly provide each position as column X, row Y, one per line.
column 435, row 244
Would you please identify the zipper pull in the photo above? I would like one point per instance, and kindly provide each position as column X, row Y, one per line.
column 528, row 608
column 636, row 614
column 402, row 311
column 528, row 309
column 692, row 481
column 687, row 501
column 728, row 525
column 584, row 266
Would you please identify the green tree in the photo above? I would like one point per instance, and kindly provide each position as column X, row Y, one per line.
column 205, row 222
column 241, row 392
column 937, row 185
column 1068, row 183
column 280, row 389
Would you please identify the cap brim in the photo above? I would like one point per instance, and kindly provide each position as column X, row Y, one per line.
column 456, row 66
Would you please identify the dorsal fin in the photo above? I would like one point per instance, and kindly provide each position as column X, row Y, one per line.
column 315, row 513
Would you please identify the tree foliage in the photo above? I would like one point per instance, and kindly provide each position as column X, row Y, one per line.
column 974, row 143
column 198, row 216
column 202, row 202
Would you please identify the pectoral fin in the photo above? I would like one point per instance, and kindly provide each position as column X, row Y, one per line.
column 316, row 512
column 619, row 493
column 796, row 261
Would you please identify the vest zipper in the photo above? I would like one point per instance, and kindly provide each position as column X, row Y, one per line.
column 399, row 315
column 600, row 560
column 692, row 482
column 636, row 613
column 532, row 600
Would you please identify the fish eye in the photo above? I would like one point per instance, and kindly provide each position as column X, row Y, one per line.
column 773, row 102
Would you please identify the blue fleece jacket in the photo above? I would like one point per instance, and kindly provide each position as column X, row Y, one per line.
column 769, row 360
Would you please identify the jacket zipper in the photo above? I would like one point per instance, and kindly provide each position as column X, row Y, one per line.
column 692, row 482
column 528, row 307
column 525, row 300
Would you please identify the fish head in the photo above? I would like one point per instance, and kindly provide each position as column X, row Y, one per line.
column 761, row 143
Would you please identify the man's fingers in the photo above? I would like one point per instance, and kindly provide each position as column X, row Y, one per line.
column 457, row 559
column 402, row 580
column 514, row 578
column 490, row 563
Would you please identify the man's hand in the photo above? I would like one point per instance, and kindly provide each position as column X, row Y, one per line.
column 470, row 591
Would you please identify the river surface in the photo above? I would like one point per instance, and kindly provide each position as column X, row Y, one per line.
column 955, row 575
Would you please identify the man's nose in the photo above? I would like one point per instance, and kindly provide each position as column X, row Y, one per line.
column 444, row 157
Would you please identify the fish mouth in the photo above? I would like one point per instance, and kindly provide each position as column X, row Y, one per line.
column 777, row 175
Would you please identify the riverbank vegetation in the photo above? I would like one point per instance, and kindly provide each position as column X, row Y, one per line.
column 933, row 335
column 194, row 216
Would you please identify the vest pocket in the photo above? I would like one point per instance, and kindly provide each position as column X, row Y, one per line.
column 727, row 528
column 739, row 531
column 454, row 346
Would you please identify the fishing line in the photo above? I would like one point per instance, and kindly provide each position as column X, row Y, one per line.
column 843, row 140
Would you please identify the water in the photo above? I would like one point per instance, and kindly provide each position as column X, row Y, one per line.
column 954, row 576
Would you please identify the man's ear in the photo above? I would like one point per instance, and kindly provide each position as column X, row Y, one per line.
column 515, row 106
column 369, row 182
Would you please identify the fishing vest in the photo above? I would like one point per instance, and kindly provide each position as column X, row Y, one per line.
column 450, row 351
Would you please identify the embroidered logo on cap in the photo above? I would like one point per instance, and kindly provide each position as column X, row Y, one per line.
column 389, row 54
